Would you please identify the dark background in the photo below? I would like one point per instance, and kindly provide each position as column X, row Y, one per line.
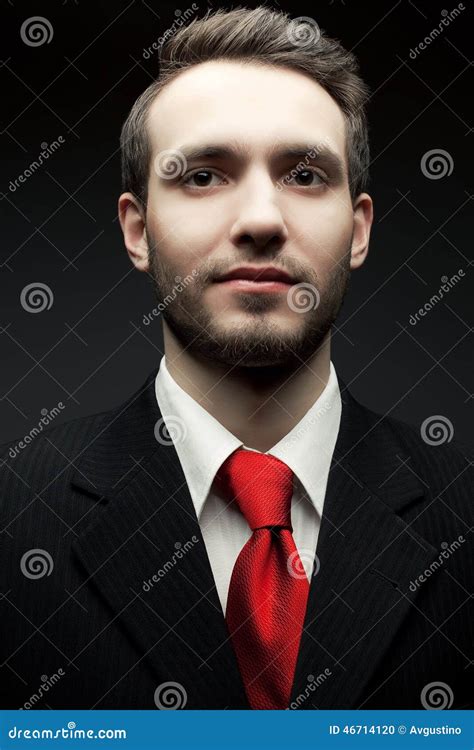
column 90, row 350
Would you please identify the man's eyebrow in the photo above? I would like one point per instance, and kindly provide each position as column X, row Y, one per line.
column 320, row 153
column 309, row 153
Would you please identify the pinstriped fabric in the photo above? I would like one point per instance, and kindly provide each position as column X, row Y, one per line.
column 111, row 508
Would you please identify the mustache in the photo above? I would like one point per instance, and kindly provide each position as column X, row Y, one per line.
column 212, row 270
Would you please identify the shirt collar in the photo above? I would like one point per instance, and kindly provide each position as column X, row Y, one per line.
column 203, row 443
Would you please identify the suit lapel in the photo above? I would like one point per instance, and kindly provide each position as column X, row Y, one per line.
column 148, row 527
column 367, row 557
column 145, row 525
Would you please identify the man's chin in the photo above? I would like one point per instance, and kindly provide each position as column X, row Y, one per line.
column 248, row 341
column 243, row 348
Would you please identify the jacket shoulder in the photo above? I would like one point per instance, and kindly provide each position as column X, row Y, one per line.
column 433, row 441
column 44, row 455
column 431, row 451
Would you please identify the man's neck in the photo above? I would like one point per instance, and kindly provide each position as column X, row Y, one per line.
column 259, row 406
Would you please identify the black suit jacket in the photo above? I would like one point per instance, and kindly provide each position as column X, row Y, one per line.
column 111, row 507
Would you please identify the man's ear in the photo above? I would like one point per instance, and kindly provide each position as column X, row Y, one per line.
column 132, row 220
column 363, row 217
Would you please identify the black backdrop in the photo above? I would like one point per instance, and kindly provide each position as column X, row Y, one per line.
column 90, row 349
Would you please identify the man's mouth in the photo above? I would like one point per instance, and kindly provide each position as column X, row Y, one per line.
column 257, row 279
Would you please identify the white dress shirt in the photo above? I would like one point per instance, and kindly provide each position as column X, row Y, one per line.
column 204, row 444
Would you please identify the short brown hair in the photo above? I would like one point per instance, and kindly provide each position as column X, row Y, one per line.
column 261, row 36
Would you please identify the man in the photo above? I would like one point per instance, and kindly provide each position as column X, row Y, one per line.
column 241, row 533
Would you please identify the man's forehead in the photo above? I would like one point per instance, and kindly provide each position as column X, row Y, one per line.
column 258, row 106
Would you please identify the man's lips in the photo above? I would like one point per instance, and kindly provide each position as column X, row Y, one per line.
column 255, row 276
column 251, row 285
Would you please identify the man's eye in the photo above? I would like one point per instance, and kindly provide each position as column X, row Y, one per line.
column 200, row 178
column 305, row 178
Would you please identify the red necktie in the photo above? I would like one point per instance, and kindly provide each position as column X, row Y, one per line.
column 267, row 597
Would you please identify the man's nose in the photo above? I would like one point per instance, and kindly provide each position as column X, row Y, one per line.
column 259, row 220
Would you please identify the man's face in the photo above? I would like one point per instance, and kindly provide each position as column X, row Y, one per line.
column 216, row 212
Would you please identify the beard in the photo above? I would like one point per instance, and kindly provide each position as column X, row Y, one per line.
column 259, row 341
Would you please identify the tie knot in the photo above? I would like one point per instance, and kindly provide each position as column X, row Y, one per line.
column 261, row 485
